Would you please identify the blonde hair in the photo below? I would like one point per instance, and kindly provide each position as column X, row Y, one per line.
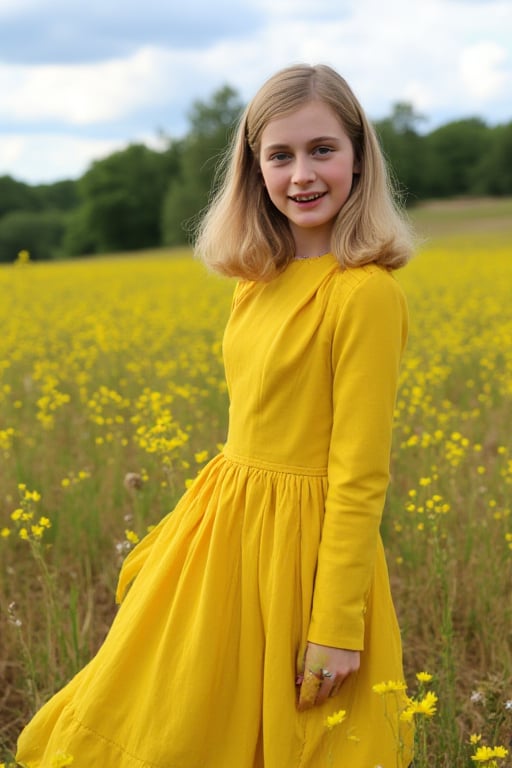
column 243, row 234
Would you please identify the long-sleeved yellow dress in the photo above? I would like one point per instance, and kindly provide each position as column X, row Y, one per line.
column 276, row 543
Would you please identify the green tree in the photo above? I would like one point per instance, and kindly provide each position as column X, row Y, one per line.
column 403, row 147
column 79, row 239
column 60, row 196
column 210, row 127
column 453, row 152
column 16, row 196
column 493, row 173
column 121, row 201
column 39, row 232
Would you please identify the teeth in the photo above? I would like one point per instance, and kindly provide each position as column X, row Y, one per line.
column 306, row 198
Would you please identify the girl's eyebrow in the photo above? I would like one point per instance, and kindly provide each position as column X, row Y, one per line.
column 316, row 140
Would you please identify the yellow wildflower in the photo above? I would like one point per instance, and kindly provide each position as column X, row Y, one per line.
column 427, row 705
column 37, row 531
column 23, row 257
column 423, row 677
column 392, row 686
column 131, row 536
column 32, row 496
column 407, row 715
column 335, row 719
column 4, row 533
column 484, row 754
column 475, row 738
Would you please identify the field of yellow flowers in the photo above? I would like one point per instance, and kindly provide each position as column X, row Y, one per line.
column 112, row 398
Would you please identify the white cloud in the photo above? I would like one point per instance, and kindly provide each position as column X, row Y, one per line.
column 42, row 158
column 85, row 94
column 400, row 50
column 483, row 70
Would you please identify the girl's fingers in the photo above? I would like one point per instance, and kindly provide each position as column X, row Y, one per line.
column 309, row 688
column 315, row 688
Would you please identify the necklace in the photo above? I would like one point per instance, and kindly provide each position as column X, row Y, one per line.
column 305, row 258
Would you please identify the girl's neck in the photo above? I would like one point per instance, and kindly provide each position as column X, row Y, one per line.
column 310, row 244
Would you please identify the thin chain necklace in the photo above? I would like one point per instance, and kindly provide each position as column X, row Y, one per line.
column 305, row 258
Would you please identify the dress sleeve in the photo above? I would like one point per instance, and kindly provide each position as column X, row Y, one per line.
column 369, row 337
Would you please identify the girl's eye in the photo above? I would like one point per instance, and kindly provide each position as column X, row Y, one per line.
column 323, row 150
column 279, row 156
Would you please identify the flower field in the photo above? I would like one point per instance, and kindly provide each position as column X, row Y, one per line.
column 112, row 398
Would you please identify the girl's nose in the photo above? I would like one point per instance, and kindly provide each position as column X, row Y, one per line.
column 303, row 172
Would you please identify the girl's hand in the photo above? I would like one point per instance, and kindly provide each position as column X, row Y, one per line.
column 325, row 669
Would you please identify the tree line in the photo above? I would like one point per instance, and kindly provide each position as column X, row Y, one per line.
column 144, row 198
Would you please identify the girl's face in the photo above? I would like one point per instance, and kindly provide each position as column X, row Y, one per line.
column 307, row 162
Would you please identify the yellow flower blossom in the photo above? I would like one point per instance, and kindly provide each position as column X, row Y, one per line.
column 392, row 686
column 335, row 719
column 485, row 754
column 427, row 705
column 23, row 257
column 131, row 536
column 423, row 677
column 32, row 496
column 37, row 531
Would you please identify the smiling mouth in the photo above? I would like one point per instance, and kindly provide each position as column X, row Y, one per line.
column 307, row 198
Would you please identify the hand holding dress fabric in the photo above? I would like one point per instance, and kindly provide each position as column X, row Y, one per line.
column 325, row 669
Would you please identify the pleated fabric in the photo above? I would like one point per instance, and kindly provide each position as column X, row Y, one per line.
column 199, row 667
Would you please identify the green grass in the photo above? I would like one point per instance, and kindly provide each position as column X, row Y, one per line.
column 474, row 216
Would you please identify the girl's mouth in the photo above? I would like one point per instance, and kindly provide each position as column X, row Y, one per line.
column 307, row 198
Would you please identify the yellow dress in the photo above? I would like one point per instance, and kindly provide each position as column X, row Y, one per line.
column 276, row 543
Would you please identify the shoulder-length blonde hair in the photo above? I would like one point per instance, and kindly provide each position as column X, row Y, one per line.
column 243, row 234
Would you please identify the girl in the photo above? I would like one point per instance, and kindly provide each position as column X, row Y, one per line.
column 261, row 606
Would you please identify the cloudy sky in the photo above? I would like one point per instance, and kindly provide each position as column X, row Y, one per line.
column 80, row 80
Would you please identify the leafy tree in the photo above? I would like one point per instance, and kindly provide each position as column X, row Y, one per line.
column 453, row 151
column 16, row 196
column 210, row 127
column 61, row 196
column 39, row 232
column 402, row 146
column 79, row 239
column 493, row 173
column 122, row 198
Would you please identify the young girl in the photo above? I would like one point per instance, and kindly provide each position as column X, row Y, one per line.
column 261, row 606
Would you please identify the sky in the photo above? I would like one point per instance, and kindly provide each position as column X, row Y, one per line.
column 79, row 81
